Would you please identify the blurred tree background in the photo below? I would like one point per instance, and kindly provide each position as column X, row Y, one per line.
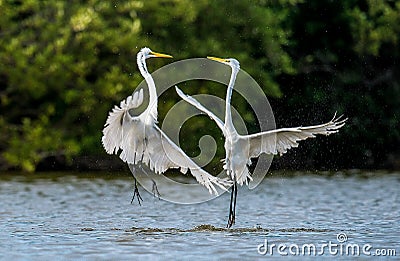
column 64, row 64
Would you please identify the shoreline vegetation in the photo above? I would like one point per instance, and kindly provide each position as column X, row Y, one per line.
column 65, row 64
column 109, row 163
column 125, row 172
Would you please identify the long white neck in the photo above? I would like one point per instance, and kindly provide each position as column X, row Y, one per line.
column 151, row 111
column 228, row 114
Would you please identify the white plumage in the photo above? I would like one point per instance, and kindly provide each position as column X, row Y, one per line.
column 239, row 149
column 140, row 140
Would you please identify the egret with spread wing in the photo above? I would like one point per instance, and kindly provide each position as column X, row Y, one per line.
column 239, row 149
column 142, row 141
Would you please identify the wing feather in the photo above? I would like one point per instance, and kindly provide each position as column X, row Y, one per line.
column 113, row 129
column 280, row 140
column 165, row 154
column 199, row 106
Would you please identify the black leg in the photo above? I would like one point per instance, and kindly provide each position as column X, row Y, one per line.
column 137, row 194
column 231, row 220
column 234, row 204
column 232, row 209
column 155, row 189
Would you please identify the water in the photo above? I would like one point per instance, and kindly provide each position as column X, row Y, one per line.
column 48, row 216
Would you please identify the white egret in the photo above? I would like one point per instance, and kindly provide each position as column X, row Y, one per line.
column 142, row 141
column 239, row 149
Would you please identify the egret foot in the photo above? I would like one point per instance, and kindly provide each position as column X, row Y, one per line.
column 231, row 219
column 137, row 194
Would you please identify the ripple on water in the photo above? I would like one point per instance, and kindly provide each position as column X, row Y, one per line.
column 41, row 218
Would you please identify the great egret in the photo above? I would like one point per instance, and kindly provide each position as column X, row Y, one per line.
column 142, row 141
column 239, row 149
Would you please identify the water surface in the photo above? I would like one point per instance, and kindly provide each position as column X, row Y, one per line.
column 89, row 215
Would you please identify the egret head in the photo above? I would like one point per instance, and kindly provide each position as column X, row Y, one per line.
column 145, row 53
column 232, row 62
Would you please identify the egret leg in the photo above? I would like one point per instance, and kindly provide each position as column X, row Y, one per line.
column 136, row 194
column 234, row 204
column 154, row 188
column 231, row 219
column 232, row 209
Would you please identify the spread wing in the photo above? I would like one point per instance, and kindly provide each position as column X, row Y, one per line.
column 162, row 153
column 112, row 132
column 199, row 106
column 280, row 140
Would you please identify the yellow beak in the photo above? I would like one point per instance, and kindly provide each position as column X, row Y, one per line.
column 161, row 55
column 217, row 59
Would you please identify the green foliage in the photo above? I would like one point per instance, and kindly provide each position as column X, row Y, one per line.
column 375, row 27
column 347, row 56
column 64, row 64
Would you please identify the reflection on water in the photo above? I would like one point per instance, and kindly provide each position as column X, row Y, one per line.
column 90, row 215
